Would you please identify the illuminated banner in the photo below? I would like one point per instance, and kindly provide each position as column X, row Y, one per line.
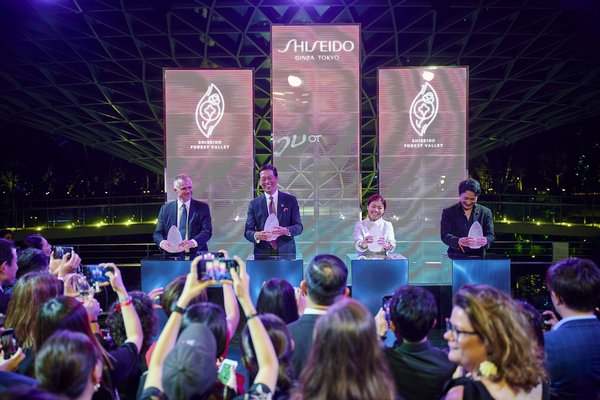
column 422, row 158
column 209, row 125
column 316, row 127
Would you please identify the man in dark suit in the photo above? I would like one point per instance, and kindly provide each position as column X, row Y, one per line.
column 419, row 369
column 8, row 272
column 458, row 219
column 573, row 345
column 324, row 283
column 192, row 217
column 279, row 241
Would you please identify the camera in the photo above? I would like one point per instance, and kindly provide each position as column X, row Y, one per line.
column 60, row 251
column 8, row 340
column 217, row 269
column 97, row 273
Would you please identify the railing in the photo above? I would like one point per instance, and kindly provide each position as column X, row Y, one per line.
column 584, row 210
column 81, row 212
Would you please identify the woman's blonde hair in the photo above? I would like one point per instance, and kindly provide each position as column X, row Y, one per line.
column 507, row 335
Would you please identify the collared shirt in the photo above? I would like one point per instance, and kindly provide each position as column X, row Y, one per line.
column 572, row 318
column 314, row 311
column 187, row 205
column 179, row 210
column 275, row 200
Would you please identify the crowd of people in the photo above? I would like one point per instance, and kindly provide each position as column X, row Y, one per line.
column 311, row 342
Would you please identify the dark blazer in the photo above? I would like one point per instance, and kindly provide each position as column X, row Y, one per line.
column 454, row 225
column 302, row 333
column 4, row 299
column 420, row 370
column 199, row 222
column 288, row 214
column 573, row 359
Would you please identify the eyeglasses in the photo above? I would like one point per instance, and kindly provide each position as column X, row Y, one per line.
column 456, row 332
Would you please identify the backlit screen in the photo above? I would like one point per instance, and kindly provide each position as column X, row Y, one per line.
column 316, row 128
column 422, row 158
column 209, row 136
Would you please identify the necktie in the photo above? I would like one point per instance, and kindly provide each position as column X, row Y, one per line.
column 271, row 205
column 272, row 211
column 183, row 222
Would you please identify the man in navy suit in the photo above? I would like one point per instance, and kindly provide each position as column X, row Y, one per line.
column 192, row 217
column 280, row 241
column 573, row 345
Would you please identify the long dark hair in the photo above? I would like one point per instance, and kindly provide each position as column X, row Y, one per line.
column 277, row 297
column 66, row 313
column 282, row 342
column 346, row 361
column 65, row 363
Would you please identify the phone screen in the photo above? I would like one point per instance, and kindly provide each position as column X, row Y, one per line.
column 217, row 269
column 8, row 340
column 386, row 301
column 96, row 273
column 60, row 251
column 226, row 370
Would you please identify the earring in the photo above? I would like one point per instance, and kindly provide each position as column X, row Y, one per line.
column 488, row 369
column 96, row 387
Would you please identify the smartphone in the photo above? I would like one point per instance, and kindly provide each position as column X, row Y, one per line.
column 8, row 340
column 217, row 269
column 60, row 251
column 385, row 303
column 216, row 254
column 226, row 370
column 96, row 273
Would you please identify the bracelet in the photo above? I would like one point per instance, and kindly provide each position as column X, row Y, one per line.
column 126, row 299
column 125, row 303
column 94, row 321
column 177, row 309
column 249, row 317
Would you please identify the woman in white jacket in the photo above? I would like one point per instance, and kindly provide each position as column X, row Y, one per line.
column 374, row 236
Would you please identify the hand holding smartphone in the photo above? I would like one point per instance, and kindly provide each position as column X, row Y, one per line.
column 227, row 372
column 217, row 269
column 96, row 273
column 8, row 341
column 60, row 251
column 386, row 301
